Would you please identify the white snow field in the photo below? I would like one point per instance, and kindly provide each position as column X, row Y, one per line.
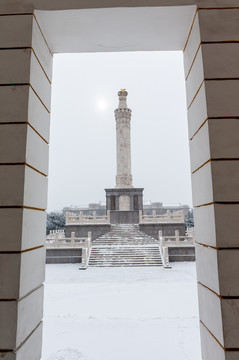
column 143, row 313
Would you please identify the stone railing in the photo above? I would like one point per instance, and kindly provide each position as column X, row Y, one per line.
column 177, row 240
column 72, row 218
column 164, row 256
column 175, row 217
column 166, row 241
column 190, row 231
column 56, row 233
column 57, row 239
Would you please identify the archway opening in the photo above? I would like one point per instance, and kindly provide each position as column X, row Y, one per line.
column 160, row 158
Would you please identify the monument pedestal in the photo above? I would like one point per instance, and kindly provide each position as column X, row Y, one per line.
column 124, row 205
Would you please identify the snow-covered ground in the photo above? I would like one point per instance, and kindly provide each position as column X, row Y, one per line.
column 121, row 313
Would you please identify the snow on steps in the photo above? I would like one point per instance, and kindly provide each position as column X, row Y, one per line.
column 125, row 245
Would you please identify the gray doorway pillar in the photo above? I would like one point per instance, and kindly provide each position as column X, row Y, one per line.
column 25, row 88
column 212, row 80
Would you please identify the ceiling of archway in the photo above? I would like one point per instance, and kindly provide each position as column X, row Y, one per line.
column 117, row 29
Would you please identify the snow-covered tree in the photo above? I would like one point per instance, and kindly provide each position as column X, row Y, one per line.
column 55, row 221
column 189, row 220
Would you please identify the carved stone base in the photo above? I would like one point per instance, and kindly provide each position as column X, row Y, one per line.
column 116, row 199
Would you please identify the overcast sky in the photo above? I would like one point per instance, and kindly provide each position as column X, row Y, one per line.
column 83, row 137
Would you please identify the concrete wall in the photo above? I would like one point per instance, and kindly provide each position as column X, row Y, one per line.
column 82, row 230
column 124, row 217
column 63, row 256
column 184, row 253
column 211, row 56
column 167, row 229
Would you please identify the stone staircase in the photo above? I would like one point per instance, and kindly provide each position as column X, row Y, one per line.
column 125, row 245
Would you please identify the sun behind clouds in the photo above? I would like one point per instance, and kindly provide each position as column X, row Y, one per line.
column 102, row 104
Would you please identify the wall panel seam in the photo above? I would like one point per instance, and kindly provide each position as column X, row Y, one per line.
column 21, row 251
column 33, row 168
column 220, row 8
column 16, row 48
column 208, row 288
column 190, row 31
column 17, row 14
column 217, row 248
column 218, row 202
column 39, row 98
column 210, row 79
column 208, row 43
column 205, row 163
column 34, row 15
column 21, row 207
column 27, row 84
column 195, row 95
column 212, row 335
column 25, row 296
column 204, row 122
column 225, row 349
column 25, row 123
column 222, row 79
column 193, row 61
column 214, row 159
column 214, row 118
column 15, row 350
column 39, row 324
column 37, row 132
column 23, row 164
column 221, row 297
column 41, row 66
column 5, row 350
column 220, row 42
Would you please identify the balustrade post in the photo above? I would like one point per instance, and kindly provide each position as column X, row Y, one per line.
column 89, row 239
column 83, row 260
column 94, row 215
column 161, row 239
column 56, row 240
column 177, row 237
column 166, row 257
column 154, row 215
column 81, row 217
column 168, row 216
column 73, row 243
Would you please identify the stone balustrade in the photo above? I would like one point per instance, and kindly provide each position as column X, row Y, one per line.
column 56, row 233
column 72, row 218
column 186, row 240
column 175, row 217
column 57, row 239
column 166, row 241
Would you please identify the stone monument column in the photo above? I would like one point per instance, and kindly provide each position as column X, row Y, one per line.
column 123, row 118
column 124, row 201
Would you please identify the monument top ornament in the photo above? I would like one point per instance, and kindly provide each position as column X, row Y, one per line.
column 122, row 100
column 122, row 92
